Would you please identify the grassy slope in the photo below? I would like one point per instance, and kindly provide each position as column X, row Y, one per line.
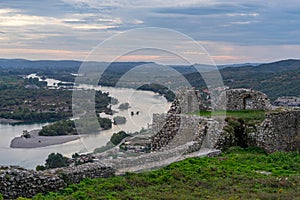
column 232, row 175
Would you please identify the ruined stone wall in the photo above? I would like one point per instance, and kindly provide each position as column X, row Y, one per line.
column 18, row 182
column 177, row 127
column 188, row 100
column 173, row 130
column 280, row 132
column 242, row 99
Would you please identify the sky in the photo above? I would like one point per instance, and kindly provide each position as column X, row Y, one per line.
column 232, row 31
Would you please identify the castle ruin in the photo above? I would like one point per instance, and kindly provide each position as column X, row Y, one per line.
column 242, row 99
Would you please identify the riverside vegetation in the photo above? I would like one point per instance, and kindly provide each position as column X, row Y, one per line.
column 67, row 127
column 24, row 104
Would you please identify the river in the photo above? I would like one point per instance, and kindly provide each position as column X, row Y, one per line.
column 145, row 102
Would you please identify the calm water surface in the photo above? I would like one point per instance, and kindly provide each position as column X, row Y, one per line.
column 145, row 102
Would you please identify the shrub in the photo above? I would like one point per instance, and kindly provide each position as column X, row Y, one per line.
column 124, row 106
column 56, row 160
column 116, row 138
column 40, row 168
column 119, row 120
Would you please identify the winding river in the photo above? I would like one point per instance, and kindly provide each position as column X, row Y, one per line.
column 145, row 102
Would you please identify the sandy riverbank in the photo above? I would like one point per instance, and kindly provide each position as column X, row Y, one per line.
column 36, row 141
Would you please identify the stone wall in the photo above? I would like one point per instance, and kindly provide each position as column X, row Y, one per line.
column 242, row 99
column 280, row 131
column 188, row 100
column 19, row 182
column 179, row 126
column 173, row 130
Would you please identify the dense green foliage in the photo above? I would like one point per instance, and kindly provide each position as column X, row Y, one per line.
column 40, row 104
column 40, row 168
column 67, row 127
column 116, row 138
column 105, row 123
column 24, row 104
column 35, row 82
column 236, row 174
column 162, row 90
column 236, row 133
column 63, row 127
column 55, row 161
column 109, row 145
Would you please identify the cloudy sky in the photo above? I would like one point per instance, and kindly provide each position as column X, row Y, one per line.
column 231, row 31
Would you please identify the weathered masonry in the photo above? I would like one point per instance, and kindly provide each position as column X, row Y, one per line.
column 19, row 182
column 242, row 99
column 280, row 132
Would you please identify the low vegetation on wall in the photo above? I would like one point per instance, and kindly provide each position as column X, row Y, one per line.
column 239, row 125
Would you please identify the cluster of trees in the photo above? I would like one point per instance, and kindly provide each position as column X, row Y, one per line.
column 57, row 160
column 35, row 105
column 162, row 90
column 19, row 103
column 67, row 127
column 63, row 127
column 27, row 115
column 116, row 138
column 35, row 81
column 54, row 160
column 102, row 100
column 105, row 123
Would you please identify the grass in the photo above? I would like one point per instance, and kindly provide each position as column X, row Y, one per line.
column 246, row 115
column 235, row 174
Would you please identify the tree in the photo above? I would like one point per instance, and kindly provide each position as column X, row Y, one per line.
column 40, row 168
column 105, row 123
column 56, row 160
column 116, row 138
column 26, row 134
column 75, row 155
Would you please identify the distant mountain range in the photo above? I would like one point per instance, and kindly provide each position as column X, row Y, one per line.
column 238, row 65
column 281, row 78
column 276, row 79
